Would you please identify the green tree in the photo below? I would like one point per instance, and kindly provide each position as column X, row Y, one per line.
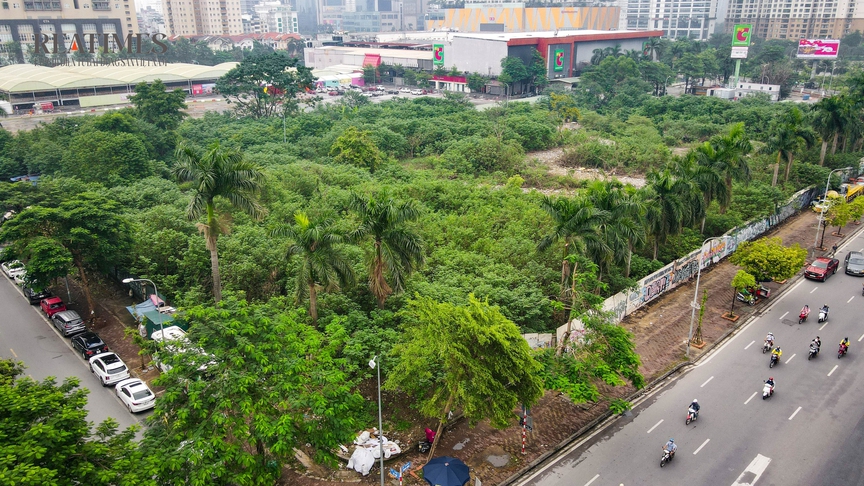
column 323, row 264
column 653, row 48
column 356, row 147
column 838, row 215
column 767, row 259
column 740, row 282
column 467, row 357
column 47, row 260
column 105, row 157
column 667, row 208
column 564, row 106
column 727, row 154
column 788, row 136
column 829, row 122
column 536, row 72
column 265, row 85
column 270, row 384
column 89, row 226
column 370, row 74
column 218, row 173
column 513, row 71
column 623, row 229
column 397, row 251
column 157, row 106
column 47, row 439
column 477, row 82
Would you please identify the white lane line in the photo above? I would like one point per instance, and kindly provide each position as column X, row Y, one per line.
column 795, row 413
column 592, row 479
column 832, row 369
column 790, row 358
column 655, row 426
column 751, row 398
column 751, row 344
column 706, row 382
column 753, row 472
column 701, row 446
column 814, row 289
column 13, row 352
column 850, row 299
column 823, row 325
column 862, row 337
column 784, row 315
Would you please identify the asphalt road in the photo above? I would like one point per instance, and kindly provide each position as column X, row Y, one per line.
column 26, row 336
column 809, row 432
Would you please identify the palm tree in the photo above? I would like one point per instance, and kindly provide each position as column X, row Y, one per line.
column 702, row 161
column 576, row 222
column 218, row 172
column 597, row 57
column 788, row 136
column 653, row 48
column 623, row 230
column 397, row 251
column 323, row 263
column 667, row 209
column 727, row 154
column 829, row 122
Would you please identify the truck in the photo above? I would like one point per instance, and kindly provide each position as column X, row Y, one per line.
column 851, row 191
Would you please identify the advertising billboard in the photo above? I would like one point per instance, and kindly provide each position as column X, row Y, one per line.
column 739, row 52
column 438, row 54
column 818, row 48
column 741, row 35
column 559, row 60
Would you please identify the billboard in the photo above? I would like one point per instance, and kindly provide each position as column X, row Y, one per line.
column 818, row 48
column 559, row 60
column 438, row 54
column 741, row 35
column 739, row 52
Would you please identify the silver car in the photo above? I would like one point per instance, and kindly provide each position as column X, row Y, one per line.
column 68, row 322
column 855, row 263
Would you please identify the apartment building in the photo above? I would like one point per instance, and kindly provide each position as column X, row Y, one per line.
column 797, row 19
column 276, row 16
column 695, row 19
column 203, row 17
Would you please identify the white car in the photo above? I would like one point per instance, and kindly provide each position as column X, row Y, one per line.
column 13, row 268
column 405, row 90
column 136, row 395
column 19, row 277
column 109, row 368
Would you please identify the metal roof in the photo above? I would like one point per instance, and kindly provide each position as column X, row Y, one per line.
column 24, row 78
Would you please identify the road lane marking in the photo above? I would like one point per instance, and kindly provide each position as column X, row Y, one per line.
column 592, row 479
column 701, row 446
column 795, row 413
column 832, row 369
column 655, row 426
column 823, row 325
column 790, row 358
column 814, row 289
column 784, row 315
column 850, row 299
column 753, row 472
column 706, row 382
column 13, row 352
column 751, row 398
column 751, row 344
column 862, row 337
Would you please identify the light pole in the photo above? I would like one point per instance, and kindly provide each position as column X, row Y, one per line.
column 696, row 293
column 377, row 366
column 130, row 280
column 823, row 209
column 664, row 83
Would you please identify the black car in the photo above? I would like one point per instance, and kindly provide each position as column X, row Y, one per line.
column 855, row 263
column 35, row 296
column 89, row 344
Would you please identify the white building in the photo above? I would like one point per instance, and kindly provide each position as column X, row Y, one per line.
column 276, row 17
column 695, row 19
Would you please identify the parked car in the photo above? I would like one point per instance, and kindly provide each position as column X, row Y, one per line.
column 89, row 344
column 405, row 90
column 19, row 278
column 855, row 263
column 52, row 305
column 136, row 395
column 822, row 268
column 109, row 368
column 68, row 322
column 418, row 91
column 334, row 93
column 13, row 268
column 35, row 295
column 380, row 88
column 392, row 91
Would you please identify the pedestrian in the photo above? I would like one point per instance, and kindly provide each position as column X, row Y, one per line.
column 430, row 435
column 834, row 249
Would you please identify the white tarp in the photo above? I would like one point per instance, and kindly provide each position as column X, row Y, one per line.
column 368, row 450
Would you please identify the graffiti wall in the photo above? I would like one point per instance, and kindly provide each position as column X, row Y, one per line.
column 682, row 270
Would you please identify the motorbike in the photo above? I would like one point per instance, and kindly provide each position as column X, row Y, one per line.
column 667, row 456
column 823, row 315
column 746, row 296
column 766, row 347
column 773, row 360
column 767, row 391
column 691, row 415
column 803, row 315
column 813, row 352
column 842, row 351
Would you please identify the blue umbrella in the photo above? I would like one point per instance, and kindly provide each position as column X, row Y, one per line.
column 446, row 471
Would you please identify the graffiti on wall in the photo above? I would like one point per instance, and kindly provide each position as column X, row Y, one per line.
column 684, row 268
column 656, row 283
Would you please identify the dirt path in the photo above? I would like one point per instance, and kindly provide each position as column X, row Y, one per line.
column 551, row 159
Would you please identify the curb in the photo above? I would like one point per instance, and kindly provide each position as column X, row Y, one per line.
column 657, row 381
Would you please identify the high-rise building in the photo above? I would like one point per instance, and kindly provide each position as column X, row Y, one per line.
column 695, row 19
column 203, row 17
column 26, row 20
column 797, row 19
column 307, row 16
column 276, row 17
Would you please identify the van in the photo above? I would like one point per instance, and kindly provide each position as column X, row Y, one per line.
column 68, row 322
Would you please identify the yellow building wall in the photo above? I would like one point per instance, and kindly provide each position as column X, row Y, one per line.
column 528, row 19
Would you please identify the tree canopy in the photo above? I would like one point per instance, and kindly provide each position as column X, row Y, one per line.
column 265, row 85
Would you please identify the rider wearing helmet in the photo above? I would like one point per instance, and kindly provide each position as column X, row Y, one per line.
column 670, row 447
column 770, row 339
column 777, row 352
column 845, row 343
column 818, row 342
column 770, row 381
column 695, row 405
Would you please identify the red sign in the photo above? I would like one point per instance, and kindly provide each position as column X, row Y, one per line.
column 451, row 79
column 818, row 48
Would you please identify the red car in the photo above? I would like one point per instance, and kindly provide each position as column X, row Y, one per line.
column 822, row 268
column 52, row 305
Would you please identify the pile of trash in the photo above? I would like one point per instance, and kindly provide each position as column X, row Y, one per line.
column 367, row 451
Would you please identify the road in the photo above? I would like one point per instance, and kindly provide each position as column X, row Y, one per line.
column 28, row 337
column 809, row 432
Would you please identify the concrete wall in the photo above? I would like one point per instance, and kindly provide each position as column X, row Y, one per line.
column 480, row 56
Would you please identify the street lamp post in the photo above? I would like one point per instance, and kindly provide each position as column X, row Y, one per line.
column 664, row 83
column 696, row 293
column 377, row 366
column 823, row 209
column 155, row 291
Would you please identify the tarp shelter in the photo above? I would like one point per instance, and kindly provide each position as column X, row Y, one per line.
column 150, row 319
column 446, row 471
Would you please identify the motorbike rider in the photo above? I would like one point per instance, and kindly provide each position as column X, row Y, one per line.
column 770, row 382
column 845, row 343
column 695, row 406
column 670, row 447
column 777, row 352
column 805, row 311
column 824, row 310
column 769, row 339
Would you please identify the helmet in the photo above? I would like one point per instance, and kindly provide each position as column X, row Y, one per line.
column 778, row 348
column 770, row 378
column 695, row 401
column 671, row 440
column 817, row 337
